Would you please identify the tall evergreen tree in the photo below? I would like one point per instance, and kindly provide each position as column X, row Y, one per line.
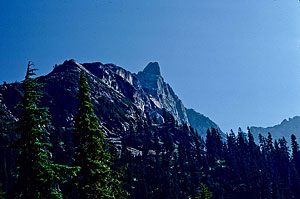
column 37, row 176
column 1, row 192
column 204, row 193
column 95, row 178
column 295, row 150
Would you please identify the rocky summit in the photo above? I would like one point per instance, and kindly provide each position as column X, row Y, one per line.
column 152, row 68
column 160, row 94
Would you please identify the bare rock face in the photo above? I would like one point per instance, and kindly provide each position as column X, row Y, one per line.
column 153, row 69
column 160, row 93
column 121, row 81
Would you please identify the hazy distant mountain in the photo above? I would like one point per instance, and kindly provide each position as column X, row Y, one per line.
column 284, row 129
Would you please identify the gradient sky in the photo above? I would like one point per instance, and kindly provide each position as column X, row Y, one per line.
column 236, row 61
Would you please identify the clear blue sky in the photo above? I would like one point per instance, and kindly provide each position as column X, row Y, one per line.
column 236, row 61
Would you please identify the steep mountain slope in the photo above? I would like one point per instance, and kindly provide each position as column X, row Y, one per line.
column 200, row 122
column 160, row 93
column 121, row 98
column 285, row 129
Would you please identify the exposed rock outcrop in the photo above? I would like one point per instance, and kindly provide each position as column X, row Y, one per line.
column 160, row 93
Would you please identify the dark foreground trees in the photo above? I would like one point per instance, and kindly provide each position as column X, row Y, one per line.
column 95, row 179
column 204, row 193
column 37, row 176
column 176, row 161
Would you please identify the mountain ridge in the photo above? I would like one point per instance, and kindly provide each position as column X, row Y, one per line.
column 285, row 129
column 146, row 90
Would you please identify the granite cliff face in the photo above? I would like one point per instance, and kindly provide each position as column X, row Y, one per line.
column 160, row 94
column 121, row 98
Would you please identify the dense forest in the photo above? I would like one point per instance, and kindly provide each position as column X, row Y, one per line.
column 154, row 160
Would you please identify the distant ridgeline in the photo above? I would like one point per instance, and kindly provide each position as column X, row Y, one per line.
column 166, row 149
column 284, row 129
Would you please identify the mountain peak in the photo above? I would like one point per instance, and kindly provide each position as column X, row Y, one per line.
column 152, row 68
column 67, row 66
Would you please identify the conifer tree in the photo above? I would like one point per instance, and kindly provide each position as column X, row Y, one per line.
column 95, row 178
column 204, row 193
column 1, row 192
column 37, row 176
column 295, row 149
